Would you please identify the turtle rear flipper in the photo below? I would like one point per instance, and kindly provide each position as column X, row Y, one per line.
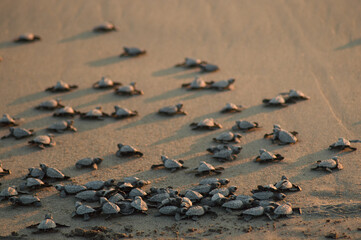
column 5, row 172
column 328, row 170
column 278, row 157
column 185, row 85
column 268, row 135
column 351, row 148
column 290, row 100
column 258, row 159
column 156, row 166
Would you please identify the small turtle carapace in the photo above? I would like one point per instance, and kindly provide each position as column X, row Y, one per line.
column 132, row 52
column 53, row 173
column 105, row 82
column 197, row 83
column 190, row 63
column 285, row 210
column 66, row 111
column 126, row 151
column 128, row 90
column 27, row 37
column 7, row 121
column 244, row 125
column 295, row 95
column 232, row 108
column 62, row 126
column 282, row 136
column 266, row 156
column 223, row 85
column 277, row 101
column 207, row 169
column 26, row 200
column 328, row 165
column 89, row 163
column 47, row 225
column 172, row 110
column 105, row 27
column 171, row 164
column 121, row 113
column 43, row 141
column 83, row 210
column 226, row 154
column 207, row 67
column 286, row 186
column 95, row 113
column 61, row 87
column 343, row 143
column 3, row 171
column 228, row 137
column 19, row 133
column 50, row 105
column 207, row 124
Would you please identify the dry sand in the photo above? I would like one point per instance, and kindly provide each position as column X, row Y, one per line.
column 268, row 46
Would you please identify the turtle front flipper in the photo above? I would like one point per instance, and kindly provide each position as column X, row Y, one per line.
column 156, row 166
column 7, row 136
column 61, row 225
column 278, row 157
column 351, row 148
column 5, row 172
column 268, row 135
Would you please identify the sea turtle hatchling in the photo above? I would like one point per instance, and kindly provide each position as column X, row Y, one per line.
column 222, row 181
column 207, row 124
column 69, row 189
column 89, row 195
column 137, row 192
column 25, row 200
column 277, row 101
column 235, row 149
column 60, row 127
column 34, row 183
column 139, row 205
column 197, row 83
column 108, row 208
column 232, row 108
column 66, row 111
column 53, row 173
column 172, row 110
column 206, row 169
column 190, row 63
column 121, row 113
column 89, row 163
column 244, row 125
column 35, row 173
column 128, row 90
column 132, row 52
column 8, row 192
column 105, row 27
column 19, row 133
column 171, row 211
column 254, row 212
column 282, row 136
column 296, row 95
column 195, row 212
column 226, row 154
column 47, row 225
column 135, row 181
column 267, row 195
column 171, row 164
column 223, row 85
column 105, row 82
column 343, row 143
column 285, row 210
column 43, row 141
column 207, row 67
column 7, row 121
column 3, row 172
column 127, row 151
column 27, row 37
column 205, row 189
column 99, row 184
column 233, row 205
column 95, row 113
column 61, row 86
column 83, row 210
column 228, row 137
column 286, row 186
column 266, row 156
column 50, row 104
column 225, row 191
column 328, row 164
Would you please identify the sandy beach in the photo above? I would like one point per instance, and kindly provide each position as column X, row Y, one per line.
column 267, row 46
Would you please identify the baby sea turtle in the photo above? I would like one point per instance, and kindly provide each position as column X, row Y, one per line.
column 255, row 212
column 132, row 52
column 105, row 27
column 35, row 173
column 296, row 95
column 19, row 133
column 62, row 126
column 227, row 154
column 99, row 184
column 171, row 211
column 190, row 63
column 235, row 149
column 244, row 125
column 225, row 191
column 222, row 181
column 105, row 82
column 232, row 108
column 128, row 90
column 50, row 104
column 233, row 205
column 61, row 86
column 43, row 141
column 83, row 210
column 34, row 183
column 135, row 181
column 25, row 200
column 137, row 192
column 328, row 165
column 218, row 199
column 139, row 205
column 6, row 121
column 171, row 164
column 343, row 143
column 195, row 212
column 266, row 156
column 196, row 84
column 89, row 195
column 284, row 137
column 7, row 193
column 206, row 169
column 194, row 196
column 27, row 37
column 66, row 111
column 95, row 113
column 53, row 173
column 228, row 137
column 3, row 172
column 223, row 85
column 123, row 113
column 267, row 195
column 206, row 188
column 108, row 208
column 286, row 186
column 89, row 163
column 69, row 189
column 207, row 124
column 172, row 110
column 285, row 210
column 277, row 101
column 47, row 225
column 247, row 200
column 207, row 67
column 126, row 151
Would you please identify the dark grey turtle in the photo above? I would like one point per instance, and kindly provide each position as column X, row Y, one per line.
column 328, row 165
column 128, row 90
column 125, row 187
column 99, row 184
column 207, row 67
column 25, row 200
column 255, row 212
column 282, row 136
column 233, row 205
column 34, row 183
column 222, row 181
column 53, row 173
column 105, row 82
column 190, row 63
column 116, row 198
column 225, row 155
column 3, row 172
column 139, row 205
column 224, row 191
column 50, row 104
column 266, row 156
column 207, row 124
column 83, row 210
column 126, row 207
column 295, row 95
column 89, row 163
column 62, row 126
column 61, row 86
column 135, row 181
column 286, row 186
column 7, row 121
column 121, row 113
column 127, row 151
column 228, row 137
column 137, row 192
column 343, row 143
column 108, row 208
column 195, row 212
column 235, row 149
column 159, row 197
column 268, row 187
column 43, row 141
column 19, row 133
column 89, row 195
column 206, row 169
column 171, row 164
column 35, row 173
column 69, row 189
column 172, row 110
column 244, row 125
column 105, row 27
column 247, row 200
column 66, row 111
column 194, row 196
column 186, row 203
column 232, row 108
column 27, row 38
column 95, row 113
column 277, row 101
column 267, row 195
column 8, row 192
column 285, row 210
column 132, row 52
column 218, row 199
column 47, row 225
column 223, row 85
column 197, row 84
column 206, row 188
column 171, row 211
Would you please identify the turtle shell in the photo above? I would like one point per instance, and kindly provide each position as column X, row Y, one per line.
column 65, row 110
column 255, row 211
column 8, row 192
column 209, row 67
column 105, row 82
column 6, row 119
column 33, row 182
column 195, row 211
column 222, row 84
column 172, row 163
column 286, row 137
column 110, row 208
column 54, row 173
column 137, row 192
column 132, row 51
column 159, row 197
column 169, row 109
column 169, row 210
column 198, row 82
column 193, row 195
column 226, row 136
column 43, row 139
column 49, row 104
column 277, row 100
column 191, row 62
column 73, row 189
column 59, row 126
column 244, row 125
column 265, row 155
column 127, row 148
column 122, row 112
column 233, row 204
column 139, row 204
column 84, row 209
column 84, row 162
column 94, row 113
column 284, row 209
column 47, row 224
column 95, row 185
column 27, row 199
column 20, row 132
column 125, row 89
column 328, row 163
column 36, row 173
column 342, row 142
column 204, row 167
column 116, row 198
column 27, row 36
column 88, row 195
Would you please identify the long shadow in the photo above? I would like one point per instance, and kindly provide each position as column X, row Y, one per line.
column 20, row 151
column 189, row 75
column 168, row 95
column 10, row 44
column 168, row 71
column 351, row 44
column 80, row 36
column 106, row 61
column 78, row 94
column 107, row 97
column 29, row 98
column 254, row 110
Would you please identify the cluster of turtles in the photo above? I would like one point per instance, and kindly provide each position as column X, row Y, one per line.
column 127, row 197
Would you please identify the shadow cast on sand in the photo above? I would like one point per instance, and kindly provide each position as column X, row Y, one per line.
column 107, row 97
column 351, row 44
column 106, row 61
column 21, row 151
column 254, row 110
column 168, row 71
column 80, row 36
column 167, row 95
column 11, row 44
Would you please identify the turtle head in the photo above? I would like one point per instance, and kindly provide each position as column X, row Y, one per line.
column 100, row 193
column 37, row 38
column 99, row 108
column 11, row 129
column 335, row 158
column 132, row 84
column 48, row 216
column 98, row 161
column 78, row 204
column 230, row 81
column 236, row 149
column 279, row 196
column 163, row 158
column 276, row 126
column 224, row 181
column 179, row 106
column 59, row 187
column 43, row 167
column 14, row 200
column 109, row 182
column 262, row 151
column 269, row 209
column 232, row 189
column 103, row 200
column 215, row 185
column 116, row 107
column 237, row 135
column 206, row 208
column 284, row 178
column 120, row 145
column 70, row 122
column 142, row 183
